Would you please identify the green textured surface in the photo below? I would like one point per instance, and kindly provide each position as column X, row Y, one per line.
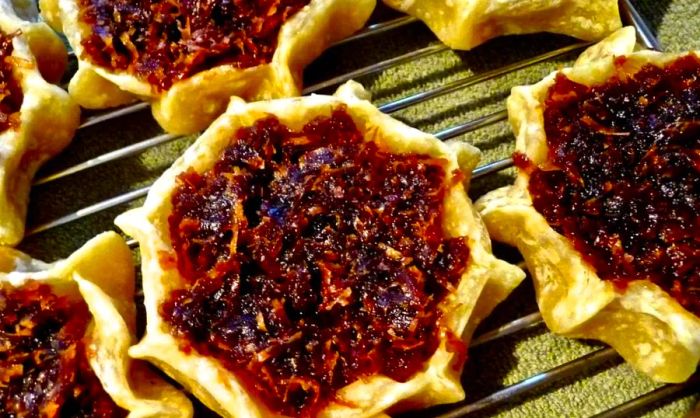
column 491, row 366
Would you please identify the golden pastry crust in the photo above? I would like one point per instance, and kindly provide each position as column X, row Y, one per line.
column 216, row 386
column 301, row 39
column 649, row 328
column 465, row 24
column 102, row 274
column 24, row 148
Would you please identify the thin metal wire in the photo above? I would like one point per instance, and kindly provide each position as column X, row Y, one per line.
column 90, row 210
column 479, row 78
column 644, row 401
column 124, row 152
column 644, row 33
column 112, row 114
column 472, row 125
column 379, row 66
column 492, row 167
column 510, row 393
column 520, row 324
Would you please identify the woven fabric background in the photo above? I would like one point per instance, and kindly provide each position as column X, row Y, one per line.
column 491, row 366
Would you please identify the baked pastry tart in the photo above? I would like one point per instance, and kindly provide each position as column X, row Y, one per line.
column 66, row 329
column 606, row 205
column 28, row 105
column 188, row 58
column 465, row 24
column 314, row 257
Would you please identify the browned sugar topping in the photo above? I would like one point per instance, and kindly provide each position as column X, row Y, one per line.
column 164, row 41
column 314, row 258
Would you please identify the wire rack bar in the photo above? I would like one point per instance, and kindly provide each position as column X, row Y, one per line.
column 559, row 373
column 108, row 157
column 479, row 78
column 90, row 210
column 644, row 401
column 379, row 66
column 472, row 125
column 112, row 114
column 644, row 33
column 491, row 168
column 513, row 327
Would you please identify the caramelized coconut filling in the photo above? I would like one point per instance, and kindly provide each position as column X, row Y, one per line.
column 10, row 92
column 622, row 180
column 313, row 258
column 44, row 371
column 163, row 41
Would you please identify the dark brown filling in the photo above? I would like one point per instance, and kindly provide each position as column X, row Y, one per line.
column 10, row 92
column 314, row 259
column 44, row 371
column 623, row 177
column 163, row 41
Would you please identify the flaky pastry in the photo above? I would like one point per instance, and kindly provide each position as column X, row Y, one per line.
column 74, row 321
column 37, row 119
column 465, row 24
column 188, row 59
column 640, row 190
column 172, row 226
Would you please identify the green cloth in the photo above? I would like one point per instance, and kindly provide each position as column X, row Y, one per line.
column 491, row 366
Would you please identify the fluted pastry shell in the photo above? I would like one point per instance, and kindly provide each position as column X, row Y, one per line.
column 101, row 273
column 191, row 104
column 217, row 387
column 48, row 117
column 648, row 327
column 465, row 24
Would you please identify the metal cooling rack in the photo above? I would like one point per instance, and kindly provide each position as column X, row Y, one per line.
column 505, row 397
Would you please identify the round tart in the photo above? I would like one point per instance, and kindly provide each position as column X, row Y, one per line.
column 605, row 206
column 188, row 58
column 314, row 257
column 28, row 105
column 67, row 327
column 465, row 24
